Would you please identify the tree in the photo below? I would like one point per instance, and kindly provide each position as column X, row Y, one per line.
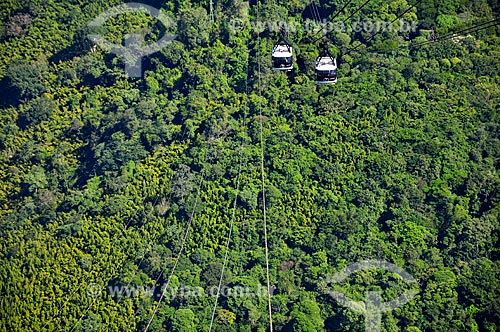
column 18, row 25
column 26, row 79
column 183, row 321
column 39, row 109
column 193, row 27
column 307, row 317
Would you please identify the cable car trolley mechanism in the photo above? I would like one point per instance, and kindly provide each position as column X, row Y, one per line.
column 325, row 65
column 282, row 53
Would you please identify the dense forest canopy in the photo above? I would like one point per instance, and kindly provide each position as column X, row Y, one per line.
column 103, row 175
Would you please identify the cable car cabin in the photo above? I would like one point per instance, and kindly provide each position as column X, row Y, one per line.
column 282, row 57
column 326, row 70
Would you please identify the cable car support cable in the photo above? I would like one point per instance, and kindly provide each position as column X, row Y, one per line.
column 186, row 233
column 338, row 13
column 234, row 206
column 448, row 36
column 397, row 18
column 263, row 180
column 451, row 35
column 345, row 20
column 120, row 265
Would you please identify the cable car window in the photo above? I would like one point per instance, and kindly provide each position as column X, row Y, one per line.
column 282, row 61
column 327, row 72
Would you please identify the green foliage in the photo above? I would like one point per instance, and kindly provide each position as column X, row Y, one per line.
column 26, row 79
column 447, row 21
column 183, row 321
column 306, row 317
column 39, row 109
column 193, row 27
column 100, row 174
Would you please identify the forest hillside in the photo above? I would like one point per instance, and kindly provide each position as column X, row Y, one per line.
column 127, row 201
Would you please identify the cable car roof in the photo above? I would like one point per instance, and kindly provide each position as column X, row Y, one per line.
column 282, row 51
column 326, row 63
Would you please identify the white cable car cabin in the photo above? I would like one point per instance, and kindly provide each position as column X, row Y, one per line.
column 282, row 54
column 282, row 57
column 326, row 70
column 325, row 65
